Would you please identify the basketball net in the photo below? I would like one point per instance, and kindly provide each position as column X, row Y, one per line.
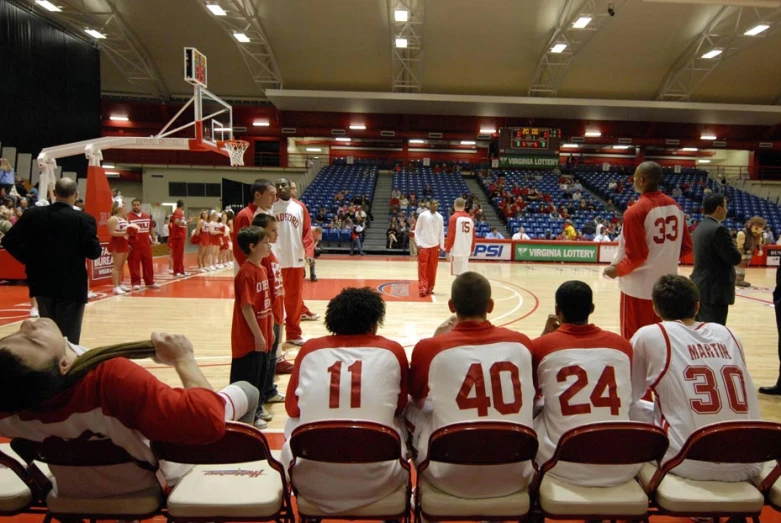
column 236, row 150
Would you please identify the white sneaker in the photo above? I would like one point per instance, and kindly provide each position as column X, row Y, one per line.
column 264, row 414
column 299, row 342
column 220, row 266
column 91, row 295
column 125, row 288
column 260, row 424
column 34, row 312
column 170, row 271
column 310, row 317
column 153, row 286
column 212, row 268
column 117, row 290
column 136, row 287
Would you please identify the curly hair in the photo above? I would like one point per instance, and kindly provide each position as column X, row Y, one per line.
column 756, row 221
column 355, row 311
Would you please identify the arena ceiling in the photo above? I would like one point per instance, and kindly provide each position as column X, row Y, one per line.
column 649, row 51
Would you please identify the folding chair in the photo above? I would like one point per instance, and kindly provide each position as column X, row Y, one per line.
column 611, row 443
column 356, row 442
column 21, row 489
column 728, row 442
column 476, row 444
column 254, row 489
column 91, row 453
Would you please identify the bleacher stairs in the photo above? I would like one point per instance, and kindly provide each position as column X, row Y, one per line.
column 491, row 217
column 374, row 239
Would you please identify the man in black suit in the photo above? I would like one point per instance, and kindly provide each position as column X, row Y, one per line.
column 715, row 257
column 53, row 242
column 775, row 390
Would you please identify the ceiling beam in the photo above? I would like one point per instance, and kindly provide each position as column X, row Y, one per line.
column 553, row 67
column 724, row 32
column 121, row 45
column 407, row 70
column 257, row 54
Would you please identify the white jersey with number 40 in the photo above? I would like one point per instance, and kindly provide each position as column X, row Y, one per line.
column 699, row 377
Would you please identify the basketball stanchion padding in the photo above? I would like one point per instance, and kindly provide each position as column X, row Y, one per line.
column 236, row 150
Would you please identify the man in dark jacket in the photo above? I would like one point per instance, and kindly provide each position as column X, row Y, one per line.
column 53, row 243
column 775, row 390
column 715, row 257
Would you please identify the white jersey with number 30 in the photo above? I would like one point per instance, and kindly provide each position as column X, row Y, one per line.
column 699, row 377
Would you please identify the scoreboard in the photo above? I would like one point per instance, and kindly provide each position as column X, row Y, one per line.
column 194, row 67
column 529, row 140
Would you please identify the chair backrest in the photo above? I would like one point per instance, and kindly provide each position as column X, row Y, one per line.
column 482, row 443
column 81, row 452
column 611, row 443
column 345, row 442
column 734, row 442
column 31, row 476
column 240, row 444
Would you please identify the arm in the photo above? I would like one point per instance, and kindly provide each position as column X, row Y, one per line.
column 474, row 238
column 741, row 240
column 252, row 322
column 441, row 234
column 417, row 231
column 686, row 241
column 306, row 234
column 635, row 248
column 90, row 244
column 725, row 247
column 451, row 233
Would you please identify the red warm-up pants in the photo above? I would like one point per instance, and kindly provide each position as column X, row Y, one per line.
column 293, row 279
column 140, row 257
column 635, row 314
column 428, row 260
column 177, row 248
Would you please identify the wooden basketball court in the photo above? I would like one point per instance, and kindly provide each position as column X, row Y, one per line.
column 200, row 306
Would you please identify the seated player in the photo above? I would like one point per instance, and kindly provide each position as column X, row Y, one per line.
column 471, row 371
column 584, row 375
column 116, row 399
column 371, row 373
column 698, row 374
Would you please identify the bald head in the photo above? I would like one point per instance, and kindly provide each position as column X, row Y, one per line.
column 648, row 176
column 470, row 296
column 66, row 189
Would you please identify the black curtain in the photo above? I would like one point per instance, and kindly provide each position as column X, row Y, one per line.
column 50, row 93
column 235, row 195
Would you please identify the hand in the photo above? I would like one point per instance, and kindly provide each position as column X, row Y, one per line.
column 260, row 344
column 551, row 324
column 310, row 260
column 611, row 271
column 171, row 348
column 447, row 256
column 760, row 252
column 446, row 327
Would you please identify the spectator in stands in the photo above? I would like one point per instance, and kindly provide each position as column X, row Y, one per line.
column 706, row 191
column 7, row 176
column 609, row 205
column 569, row 231
column 392, row 234
column 521, row 235
column 404, row 202
column 494, row 234
column 356, row 237
column 677, row 192
column 24, row 204
column 396, row 193
column 549, row 235
column 361, row 213
column 577, row 196
column 534, row 194
column 555, row 215
column 612, row 185
column 5, row 220
column 339, row 197
column 427, row 192
column 116, row 197
column 21, row 188
column 18, row 214
column 321, row 216
column 422, row 207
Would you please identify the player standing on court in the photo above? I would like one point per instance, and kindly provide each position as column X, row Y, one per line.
column 140, row 256
column 430, row 239
column 294, row 248
column 460, row 241
column 263, row 196
column 177, row 238
column 654, row 238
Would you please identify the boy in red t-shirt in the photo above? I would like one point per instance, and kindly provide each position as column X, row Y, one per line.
column 252, row 332
column 269, row 392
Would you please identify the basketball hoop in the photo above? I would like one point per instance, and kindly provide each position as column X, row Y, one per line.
column 236, row 150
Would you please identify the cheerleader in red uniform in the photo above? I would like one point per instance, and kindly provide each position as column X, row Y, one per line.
column 229, row 215
column 222, row 226
column 119, row 229
column 202, row 231
column 214, row 241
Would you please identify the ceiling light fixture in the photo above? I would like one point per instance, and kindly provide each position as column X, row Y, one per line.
column 216, row 9
column 241, row 37
column 558, row 48
column 95, row 34
column 690, row 149
column 343, row 139
column 48, row 6
column 487, row 131
column 754, row 31
column 573, row 145
column 313, row 150
column 401, row 43
column 593, row 134
column 468, row 142
column 261, row 123
column 400, row 15
column 708, row 137
column 357, row 127
column 417, row 140
column 582, row 22
column 713, row 53
column 119, row 118
column 703, row 161
column 621, row 146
